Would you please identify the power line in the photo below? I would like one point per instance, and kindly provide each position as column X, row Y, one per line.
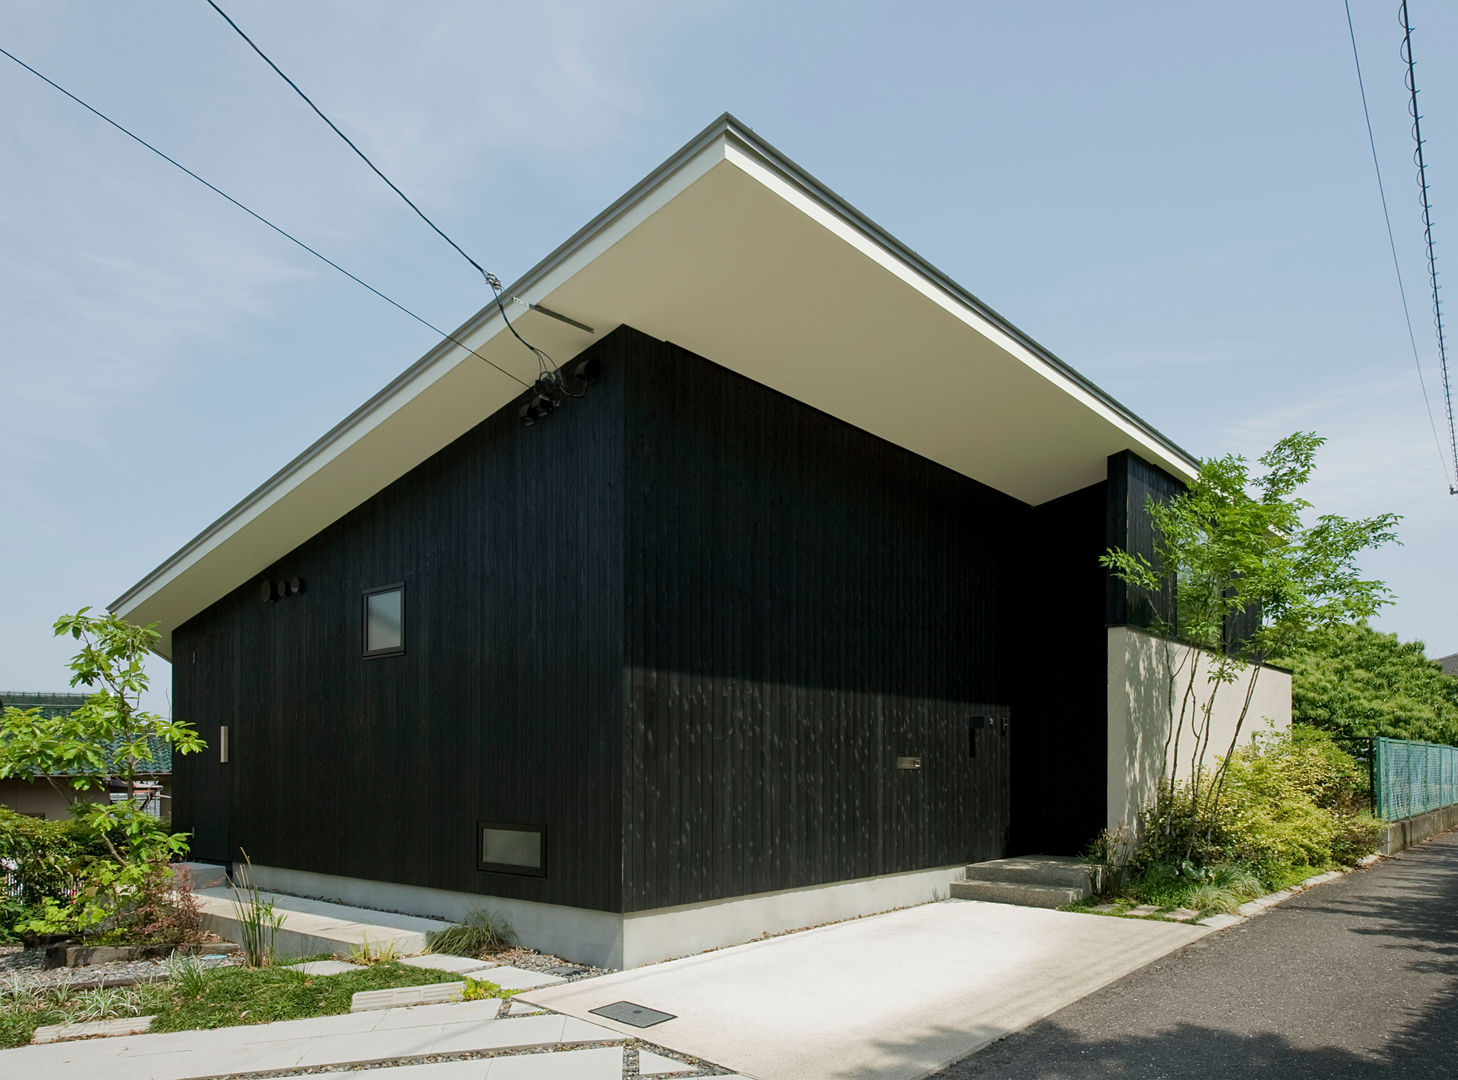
column 257, row 216
column 1422, row 177
column 545, row 362
column 1392, row 243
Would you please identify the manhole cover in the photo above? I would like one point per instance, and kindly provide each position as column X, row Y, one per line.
column 625, row 1012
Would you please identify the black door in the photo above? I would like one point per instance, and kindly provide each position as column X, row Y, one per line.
column 204, row 780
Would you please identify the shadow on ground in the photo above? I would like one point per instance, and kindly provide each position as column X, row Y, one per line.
column 1357, row 979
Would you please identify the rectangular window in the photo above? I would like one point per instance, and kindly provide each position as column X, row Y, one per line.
column 384, row 621
column 513, row 849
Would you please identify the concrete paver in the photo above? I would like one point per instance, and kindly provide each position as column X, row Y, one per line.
column 355, row 1038
column 600, row 1064
column 461, row 965
column 323, row 967
column 515, row 978
column 129, row 1025
column 890, row 997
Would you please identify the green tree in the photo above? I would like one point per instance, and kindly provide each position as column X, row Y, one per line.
column 107, row 737
column 1356, row 681
column 1237, row 548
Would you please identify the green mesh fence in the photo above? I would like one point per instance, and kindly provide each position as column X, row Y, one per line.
column 1412, row 777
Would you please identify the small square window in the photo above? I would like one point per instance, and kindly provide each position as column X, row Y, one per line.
column 384, row 621
column 513, row 849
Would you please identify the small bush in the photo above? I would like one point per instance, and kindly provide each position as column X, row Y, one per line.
column 163, row 910
column 187, row 974
column 43, row 857
column 1290, row 803
column 480, row 934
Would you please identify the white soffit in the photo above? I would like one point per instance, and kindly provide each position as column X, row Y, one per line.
column 731, row 252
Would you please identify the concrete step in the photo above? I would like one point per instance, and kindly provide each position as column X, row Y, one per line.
column 1035, row 870
column 318, row 926
column 1008, row 892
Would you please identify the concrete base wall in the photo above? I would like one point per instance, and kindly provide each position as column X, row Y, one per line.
column 1401, row 835
column 609, row 939
column 1140, row 665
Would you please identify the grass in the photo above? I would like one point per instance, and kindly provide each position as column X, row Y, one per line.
column 224, row 997
column 480, row 935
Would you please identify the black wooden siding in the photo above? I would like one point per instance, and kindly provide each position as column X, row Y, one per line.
column 506, row 705
column 688, row 624
column 805, row 603
column 1132, row 483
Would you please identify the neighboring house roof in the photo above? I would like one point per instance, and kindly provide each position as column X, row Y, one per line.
column 732, row 251
column 1450, row 664
column 54, row 704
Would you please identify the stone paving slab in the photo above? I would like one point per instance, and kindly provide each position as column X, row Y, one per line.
column 461, row 965
column 598, row 1064
column 519, row 1008
column 400, row 996
column 323, row 967
column 128, row 1025
column 605, row 1063
column 358, row 1038
column 514, row 978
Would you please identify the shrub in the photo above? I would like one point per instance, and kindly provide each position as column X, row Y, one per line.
column 1290, row 800
column 42, row 858
column 478, row 935
column 162, row 910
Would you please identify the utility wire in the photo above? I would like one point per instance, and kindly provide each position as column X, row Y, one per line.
column 544, row 362
column 1392, row 243
column 257, row 216
column 1422, row 177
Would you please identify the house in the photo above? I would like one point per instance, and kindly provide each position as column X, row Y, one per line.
column 52, row 797
column 790, row 611
column 1449, row 664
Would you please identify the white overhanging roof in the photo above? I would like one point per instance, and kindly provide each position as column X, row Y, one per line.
column 731, row 251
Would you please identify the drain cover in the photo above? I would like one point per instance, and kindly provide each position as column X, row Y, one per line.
column 625, row 1012
column 566, row 970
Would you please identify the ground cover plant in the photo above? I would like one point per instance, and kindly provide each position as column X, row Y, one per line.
column 195, row 996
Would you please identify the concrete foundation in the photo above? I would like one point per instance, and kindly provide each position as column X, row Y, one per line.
column 1401, row 835
column 614, row 940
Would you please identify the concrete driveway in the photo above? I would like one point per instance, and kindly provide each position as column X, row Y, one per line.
column 890, row 997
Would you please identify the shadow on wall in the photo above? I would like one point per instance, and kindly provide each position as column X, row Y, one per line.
column 1140, row 669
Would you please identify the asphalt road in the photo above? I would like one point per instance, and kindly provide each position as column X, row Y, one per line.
column 1357, row 978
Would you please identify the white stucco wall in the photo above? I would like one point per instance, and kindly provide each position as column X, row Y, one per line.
column 1140, row 664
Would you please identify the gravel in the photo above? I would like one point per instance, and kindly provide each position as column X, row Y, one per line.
column 531, row 960
column 23, row 966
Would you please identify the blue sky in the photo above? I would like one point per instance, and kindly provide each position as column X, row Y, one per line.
column 1176, row 199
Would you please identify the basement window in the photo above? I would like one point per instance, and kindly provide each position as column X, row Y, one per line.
column 384, row 621
column 512, row 849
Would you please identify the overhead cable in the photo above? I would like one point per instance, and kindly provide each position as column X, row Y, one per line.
column 545, row 362
column 257, row 216
column 1422, row 178
column 1396, row 265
